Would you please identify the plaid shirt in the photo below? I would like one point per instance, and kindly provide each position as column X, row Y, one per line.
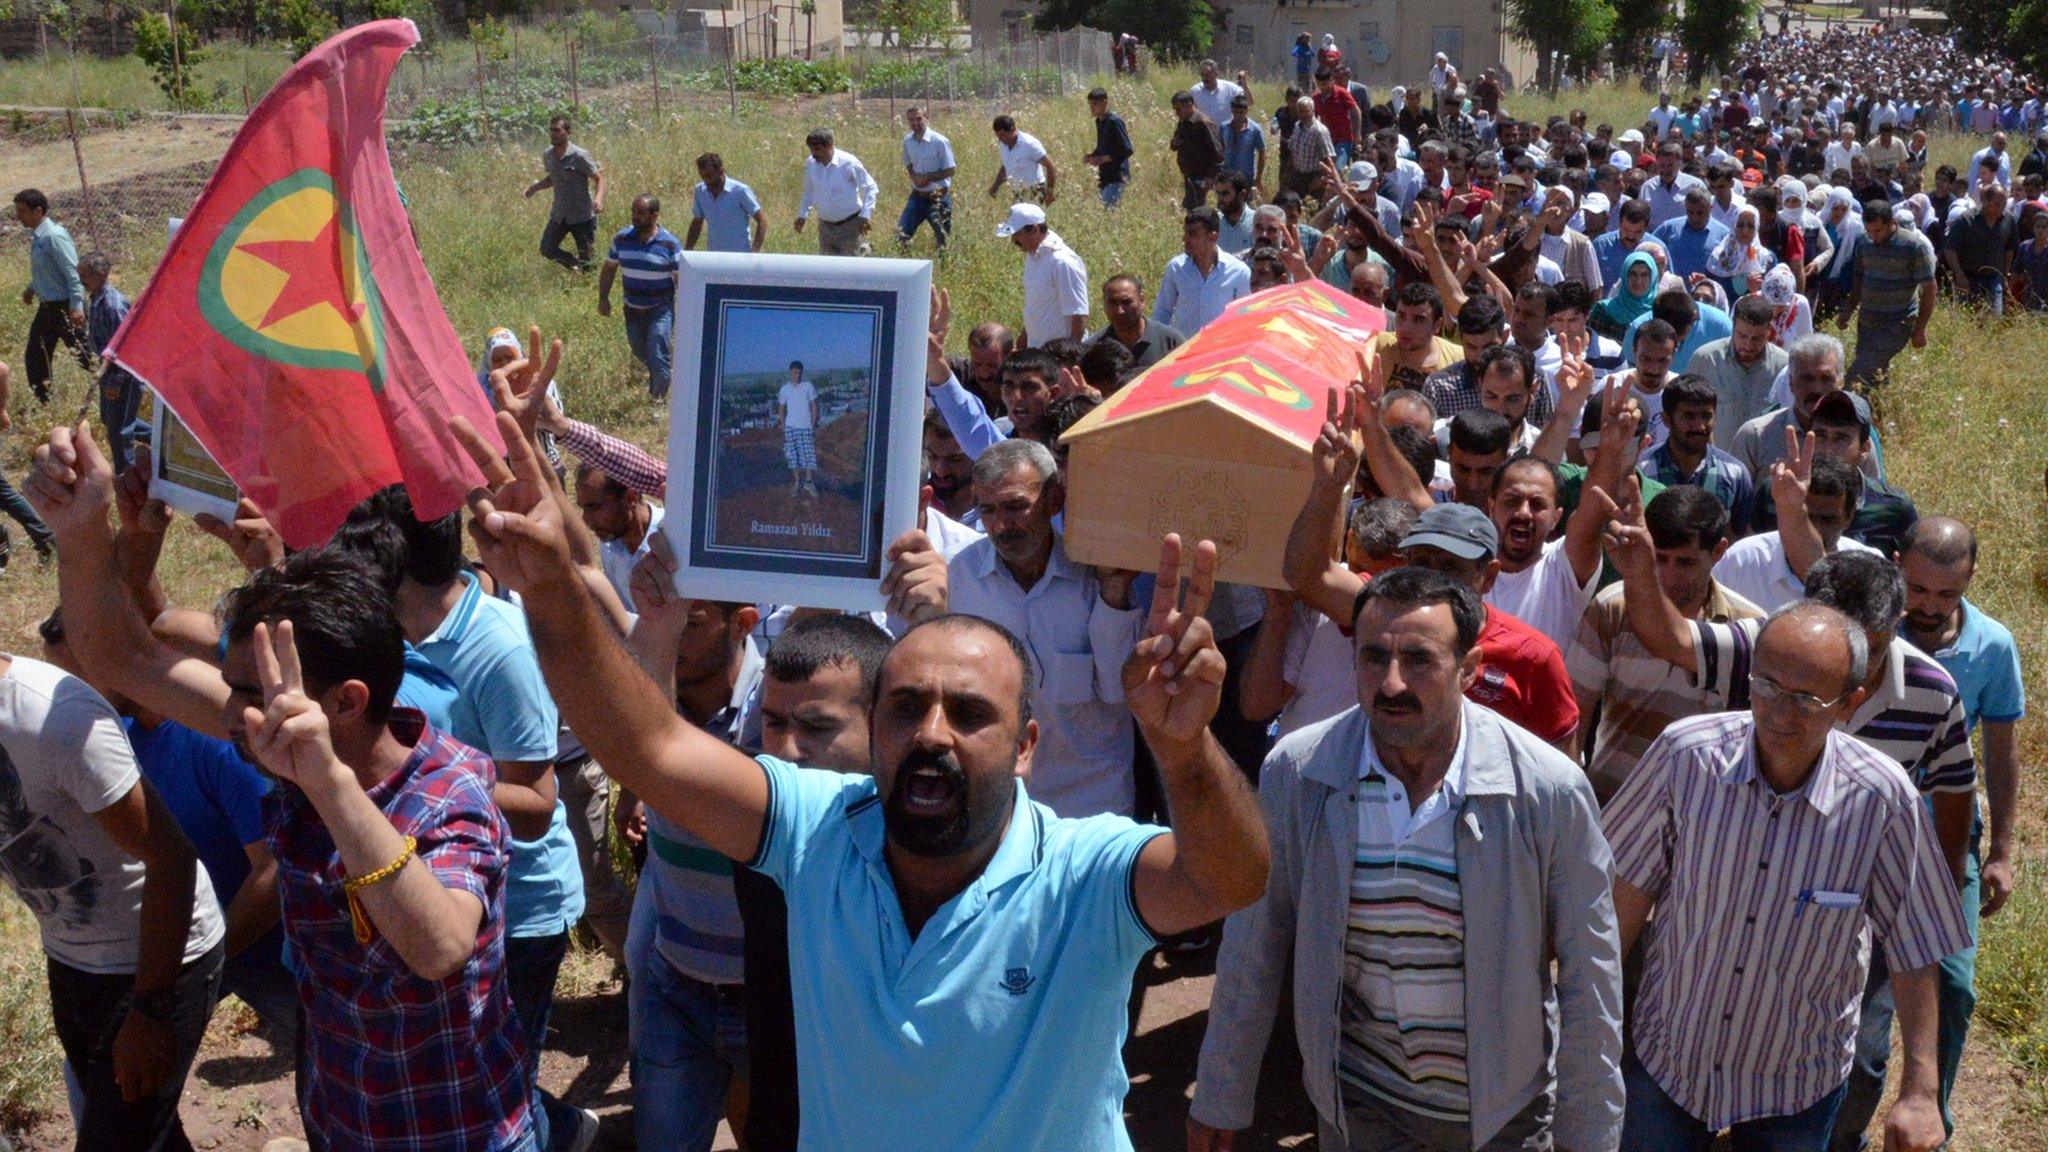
column 617, row 459
column 1456, row 389
column 396, row 1062
column 1719, row 473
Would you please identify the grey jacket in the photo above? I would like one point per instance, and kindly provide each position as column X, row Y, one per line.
column 1535, row 871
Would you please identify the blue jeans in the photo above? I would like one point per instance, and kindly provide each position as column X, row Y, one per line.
column 1654, row 1122
column 531, row 964
column 689, row 1041
column 86, row 1011
column 1112, row 194
column 1956, row 999
column 1343, row 156
column 650, row 333
column 1988, row 288
column 120, row 399
column 919, row 210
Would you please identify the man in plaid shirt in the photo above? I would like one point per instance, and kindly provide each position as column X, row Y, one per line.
column 391, row 853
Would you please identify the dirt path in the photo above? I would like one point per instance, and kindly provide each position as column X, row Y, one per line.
column 117, row 154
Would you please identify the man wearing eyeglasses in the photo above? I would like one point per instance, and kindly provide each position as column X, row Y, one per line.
column 1775, row 851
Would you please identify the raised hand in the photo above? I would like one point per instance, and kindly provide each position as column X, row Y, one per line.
column 1335, row 456
column 1625, row 536
column 517, row 522
column 521, row 387
column 916, row 580
column 289, row 734
column 1173, row 681
column 251, row 538
column 137, row 511
column 1791, row 476
column 942, row 313
column 71, row 485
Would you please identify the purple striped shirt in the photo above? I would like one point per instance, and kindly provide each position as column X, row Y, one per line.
column 1766, row 909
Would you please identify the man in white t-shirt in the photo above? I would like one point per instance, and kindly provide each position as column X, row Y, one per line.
column 796, row 409
column 1656, row 346
column 129, row 923
column 1547, row 583
column 1026, row 168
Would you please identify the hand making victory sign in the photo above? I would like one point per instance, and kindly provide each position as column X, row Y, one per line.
column 1173, row 680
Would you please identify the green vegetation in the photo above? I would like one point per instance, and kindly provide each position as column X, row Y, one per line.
column 1963, row 429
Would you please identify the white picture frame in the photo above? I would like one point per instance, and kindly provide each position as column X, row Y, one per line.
column 781, row 362
column 182, row 473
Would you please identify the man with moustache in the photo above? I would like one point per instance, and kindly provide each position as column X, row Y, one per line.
column 934, row 901
column 1439, row 878
column 1123, row 301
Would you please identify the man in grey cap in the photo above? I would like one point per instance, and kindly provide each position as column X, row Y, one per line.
column 1522, row 673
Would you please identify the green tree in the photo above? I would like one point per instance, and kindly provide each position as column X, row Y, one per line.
column 1636, row 23
column 1556, row 28
column 301, row 24
column 1174, row 28
column 1711, row 31
column 1981, row 25
column 2027, row 35
column 172, row 51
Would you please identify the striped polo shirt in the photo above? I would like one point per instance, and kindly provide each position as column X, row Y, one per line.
column 1403, row 1028
column 1891, row 275
column 1635, row 694
column 1767, row 908
column 647, row 267
column 1915, row 715
column 685, row 893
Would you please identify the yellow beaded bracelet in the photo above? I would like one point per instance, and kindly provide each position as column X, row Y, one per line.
column 355, row 884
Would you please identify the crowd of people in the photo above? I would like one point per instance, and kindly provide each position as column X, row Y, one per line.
column 1606, row 775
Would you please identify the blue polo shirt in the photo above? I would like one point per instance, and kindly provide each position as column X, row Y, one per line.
column 214, row 795
column 1002, row 1024
column 727, row 216
column 1985, row 664
column 647, row 267
column 503, row 709
column 1712, row 325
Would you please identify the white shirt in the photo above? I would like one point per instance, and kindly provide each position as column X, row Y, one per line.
column 1726, row 216
column 1024, row 161
column 1668, row 203
column 1077, row 646
column 796, row 399
column 2004, row 165
column 1055, row 288
column 1547, row 595
column 1838, row 155
column 65, row 759
column 1549, row 358
column 1188, row 300
column 618, row 560
column 1318, row 666
column 1662, row 116
column 1654, row 425
column 1754, row 568
column 837, row 190
column 1215, row 104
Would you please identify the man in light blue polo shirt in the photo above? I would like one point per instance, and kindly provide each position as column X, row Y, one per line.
column 728, row 208
column 928, row 159
column 960, row 957
column 1938, row 557
column 502, row 708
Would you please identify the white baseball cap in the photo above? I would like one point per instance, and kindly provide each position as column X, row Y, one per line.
column 1361, row 172
column 1022, row 216
column 1594, row 203
column 1632, row 136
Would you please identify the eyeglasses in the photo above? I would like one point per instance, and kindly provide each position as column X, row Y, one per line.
column 1769, row 691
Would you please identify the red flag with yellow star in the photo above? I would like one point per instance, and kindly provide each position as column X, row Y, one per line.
column 292, row 325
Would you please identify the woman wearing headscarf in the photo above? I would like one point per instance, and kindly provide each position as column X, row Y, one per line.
column 1844, row 226
column 1794, row 314
column 1741, row 257
column 501, row 347
column 1631, row 300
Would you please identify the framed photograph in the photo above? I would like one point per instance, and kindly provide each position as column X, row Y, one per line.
column 182, row 472
column 796, row 411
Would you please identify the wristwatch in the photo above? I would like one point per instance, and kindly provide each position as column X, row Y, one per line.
column 158, row 1006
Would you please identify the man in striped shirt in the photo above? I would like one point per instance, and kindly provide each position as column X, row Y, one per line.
column 650, row 256
column 1775, row 851
column 1431, row 864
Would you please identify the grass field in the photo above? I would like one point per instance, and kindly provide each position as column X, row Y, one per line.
column 1963, row 432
